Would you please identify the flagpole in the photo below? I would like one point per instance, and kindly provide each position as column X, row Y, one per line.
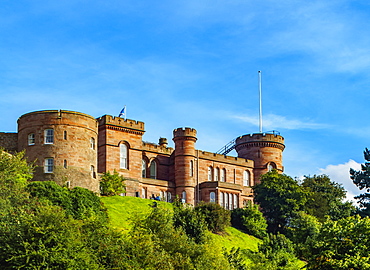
column 260, row 94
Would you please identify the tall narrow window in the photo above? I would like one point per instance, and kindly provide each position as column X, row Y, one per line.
column 221, row 199
column 169, row 196
column 212, row 197
column 49, row 136
column 210, row 174
column 143, row 193
column 271, row 166
column 183, row 197
column 49, row 165
column 65, row 164
column 153, row 169
column 217, row 174
column 65, row 135
column 226, row 200
column 191, row 169
column 123, row 156
column 235, row 201
column 223, row 175
column 143, row 168
column 31, row 139
column 93, row 174
column 230, row 201
column 92, row 143
column 246, row 178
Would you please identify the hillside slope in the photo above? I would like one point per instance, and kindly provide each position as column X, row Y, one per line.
column 123, row 211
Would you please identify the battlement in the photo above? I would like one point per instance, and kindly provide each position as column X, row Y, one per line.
column 260, row 137
column 152, row 147
column 120, row 122
column 185, row 132
column 223, row 158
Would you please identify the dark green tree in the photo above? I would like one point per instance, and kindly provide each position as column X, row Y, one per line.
column 325, row 198
column 249, row 219
column 362, row 180
column 279, row 197
column 215, row 216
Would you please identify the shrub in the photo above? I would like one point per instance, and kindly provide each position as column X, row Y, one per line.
column 216, row 217
column 112, row 184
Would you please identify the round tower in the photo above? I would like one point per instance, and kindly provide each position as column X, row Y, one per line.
column 185, row 139
column 265, row 149
column 63, row 145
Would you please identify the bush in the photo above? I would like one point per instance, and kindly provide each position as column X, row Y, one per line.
column 249, row 219
column 216, row 217
column 112, row 184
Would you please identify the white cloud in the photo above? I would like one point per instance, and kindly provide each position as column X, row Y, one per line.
column 340, row 174
column 273, row 121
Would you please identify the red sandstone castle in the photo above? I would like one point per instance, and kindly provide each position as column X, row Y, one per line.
column 72, row 148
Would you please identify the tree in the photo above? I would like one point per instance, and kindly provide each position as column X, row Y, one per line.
column 249, row 219
column 362, row 180
column 279, row 196
column 112, row 184
column 325, row 198
column 342, row 244
column 215, row 216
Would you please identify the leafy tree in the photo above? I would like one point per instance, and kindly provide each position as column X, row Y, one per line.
column 216, row 217
column 325, row 198
column 279, row 197
column 342, row 244
column 362, row 180
column 249, row 219
column 112, row 184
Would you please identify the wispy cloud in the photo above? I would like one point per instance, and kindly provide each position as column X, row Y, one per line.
column 273, row 121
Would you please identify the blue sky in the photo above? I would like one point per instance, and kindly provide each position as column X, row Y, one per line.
column 194, row 63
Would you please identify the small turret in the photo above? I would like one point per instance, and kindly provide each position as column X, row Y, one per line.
column 265, row 149
column 163, row 142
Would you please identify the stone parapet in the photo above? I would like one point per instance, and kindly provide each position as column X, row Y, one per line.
column 152, row 147
column 225, row 159
column 121, row 123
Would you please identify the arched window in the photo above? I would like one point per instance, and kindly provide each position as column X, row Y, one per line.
column 153, row 169
column 191, row 169
column 271, row 166
column 123, row 154
column 210, row 174
column 212, row 197
column 183, row 197
column 143, row 168
column 246, row 178
column 221, row 199
column 217, row 174
column 223, row 175
column 230, row 201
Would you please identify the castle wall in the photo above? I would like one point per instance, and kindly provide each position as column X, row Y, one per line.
column 9, row 141
column 74, row 156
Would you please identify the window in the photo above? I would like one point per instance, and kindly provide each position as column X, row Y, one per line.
column 246, row 178
column 92, row 143
column 191, row 169
column 49, row 136
column 231, row 202
column 212, row 197
column 153, row 169
column 271, row 166
column 31, row 139
column 65, row 164
column 49, row 165
column 169, row 196
column 143, row 168
column 143, row 193
column 65, row 135
column 223, row 175
column 210, row 174
column 226, row 200
column 123, row 156
column 217, row 174
column 235, row 201
column 68, row 184
column 183, row 197
column 221, row 200
column 93, row 174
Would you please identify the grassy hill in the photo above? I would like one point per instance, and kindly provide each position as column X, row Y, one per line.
column 123, row 210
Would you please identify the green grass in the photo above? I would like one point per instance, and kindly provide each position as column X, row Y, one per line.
column 123, row 211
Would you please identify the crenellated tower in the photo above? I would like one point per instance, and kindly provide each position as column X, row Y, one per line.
column 265, row 149
column 184, row 154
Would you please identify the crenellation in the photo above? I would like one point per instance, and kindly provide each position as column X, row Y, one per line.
column 121, row 122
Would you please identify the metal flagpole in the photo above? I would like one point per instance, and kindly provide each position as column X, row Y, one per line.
column 260, row 92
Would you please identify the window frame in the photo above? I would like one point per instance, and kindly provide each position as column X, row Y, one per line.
column 49, row 138
column 123, row 156
column 49, row 165
column 31, row 139
column 153, row 169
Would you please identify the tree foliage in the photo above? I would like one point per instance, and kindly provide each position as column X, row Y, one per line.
column 249, row 219
column 362, row 180
column 112, row 184
column 279, row 197
column 215, row 216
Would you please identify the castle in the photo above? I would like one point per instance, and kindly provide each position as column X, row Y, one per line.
column 73, row 148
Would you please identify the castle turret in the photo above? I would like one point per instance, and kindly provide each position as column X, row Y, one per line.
column 185, row 139
column 63, row 146
column 265, row 149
